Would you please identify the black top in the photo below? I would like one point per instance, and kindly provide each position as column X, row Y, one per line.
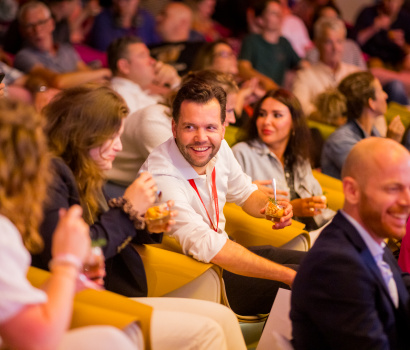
column 125, row 271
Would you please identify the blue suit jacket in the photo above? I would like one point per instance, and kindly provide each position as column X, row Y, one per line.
column 339, row 298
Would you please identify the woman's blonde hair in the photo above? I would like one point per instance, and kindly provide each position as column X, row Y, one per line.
column 330, row 107
column 79, row 119
column 24, row 170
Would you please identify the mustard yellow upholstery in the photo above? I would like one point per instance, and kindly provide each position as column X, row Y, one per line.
column 398, row 109
column 335, row 199
column 324, row 129
column 249, row 231
column 92, row 307
column 332, row 189
column 231, row 135
column 167, row 270
column 328, row 181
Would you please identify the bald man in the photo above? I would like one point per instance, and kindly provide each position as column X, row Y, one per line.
column 349, row 292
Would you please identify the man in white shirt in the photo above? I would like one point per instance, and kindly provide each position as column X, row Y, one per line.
column 197, row 169
column 330, row 36
column 137, row 77
column 349, row 292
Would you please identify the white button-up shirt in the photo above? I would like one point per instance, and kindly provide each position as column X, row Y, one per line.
column 134, row 96
column 193, row 230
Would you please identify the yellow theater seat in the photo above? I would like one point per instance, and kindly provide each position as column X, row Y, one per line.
column 92, row 307
column 328, row 181
column 231, row 135
column 325, row 129
column 168, row 271
column 249, row 231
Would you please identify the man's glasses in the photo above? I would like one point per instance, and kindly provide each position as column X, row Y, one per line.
column 31, row 26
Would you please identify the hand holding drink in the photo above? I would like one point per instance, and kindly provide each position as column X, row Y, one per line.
column 94, row 266
column 273, row 211
column 158, row 217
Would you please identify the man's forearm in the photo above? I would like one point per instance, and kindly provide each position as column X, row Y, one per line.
column 235, row 258
column 256, row 201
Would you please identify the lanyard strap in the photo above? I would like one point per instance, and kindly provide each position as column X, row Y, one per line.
column 214, row 194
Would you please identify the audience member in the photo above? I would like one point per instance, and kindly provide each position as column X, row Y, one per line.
column 176, row 43
column 220, row 56
column 135, row 72
column 295, row 31
column 60, row 11
column 349, row 292
column 203, row 22
column 293, row 28
column 58, row 63
column 30, row 315
column 277, row 145
column 305, row 9
column 330, row 34
column 83, row 148
column 82, row 20
column 352, row 54
column 383, row 31
column 365, row 100
column 149, row 127
column 268, row 55
column 196, row 165
column 123, row 18
column 394, row 85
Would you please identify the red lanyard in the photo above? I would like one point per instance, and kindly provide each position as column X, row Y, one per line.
column 214, row 194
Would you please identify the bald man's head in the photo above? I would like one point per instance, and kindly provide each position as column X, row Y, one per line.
column 370, row 154
column 174, row 22
column 376, row 183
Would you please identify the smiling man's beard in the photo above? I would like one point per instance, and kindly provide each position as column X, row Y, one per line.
column 184, row 151
column 374, row 220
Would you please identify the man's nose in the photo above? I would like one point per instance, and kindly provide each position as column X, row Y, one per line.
column 405, row 197
column 200, row 135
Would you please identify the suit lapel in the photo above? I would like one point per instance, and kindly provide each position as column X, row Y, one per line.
column 401, row 288
column 354, row 236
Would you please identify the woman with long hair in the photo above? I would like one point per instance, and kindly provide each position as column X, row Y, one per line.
column 84, row 125
column 277, row 145
column 29, row 315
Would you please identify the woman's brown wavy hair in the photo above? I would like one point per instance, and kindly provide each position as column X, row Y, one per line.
column 79, row 119
column 24, row 170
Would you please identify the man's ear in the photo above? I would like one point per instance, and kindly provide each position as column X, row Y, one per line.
column 370, row 103
column 174, row 128
column 123, row 66
column 351, row 190
column 259, row 21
